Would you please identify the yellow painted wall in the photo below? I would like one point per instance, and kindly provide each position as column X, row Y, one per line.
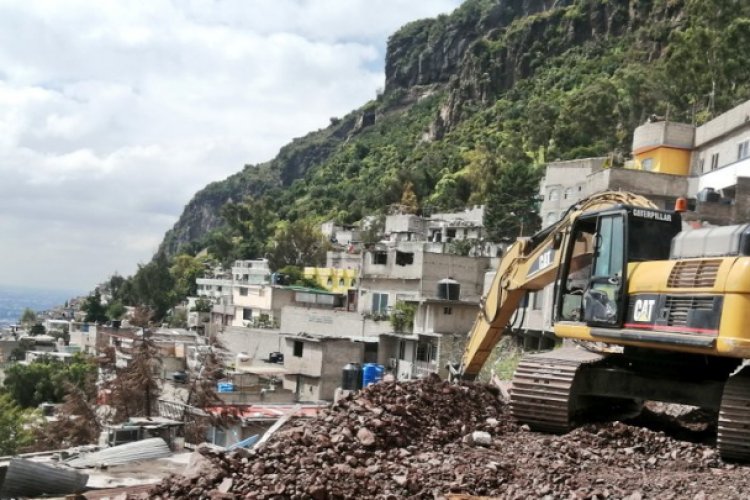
column 665, row 160
column 333, row 280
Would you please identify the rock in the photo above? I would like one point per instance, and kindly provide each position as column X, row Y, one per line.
column 366, row 437
column 480, row 438
column 225, row 485
column 415, row 450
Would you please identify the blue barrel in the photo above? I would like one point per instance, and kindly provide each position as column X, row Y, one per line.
column 371, row 373
column 224, row 387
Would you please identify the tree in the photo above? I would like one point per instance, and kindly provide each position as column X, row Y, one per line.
column 178, row 319
column 43, row 381
column 96, row 312
column 185, row 270
column 115, row 285
column 134, row 389
column 409, row 202
column 76, row 425
column 28, row 317
column 250, row 226
column 153, row 286
column 13, row 420
column 141, row 317
column 511, row 203
column 298, row 243
column 116, row 310
column 203, row 394
column 203, row 306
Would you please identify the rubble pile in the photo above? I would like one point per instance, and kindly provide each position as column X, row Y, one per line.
column 430, row 439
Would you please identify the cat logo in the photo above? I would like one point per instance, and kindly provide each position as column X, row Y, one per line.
column 643, row 310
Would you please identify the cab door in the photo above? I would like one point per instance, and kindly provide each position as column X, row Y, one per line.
column 604, row 298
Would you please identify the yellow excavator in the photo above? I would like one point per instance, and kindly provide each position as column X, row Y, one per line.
column 677, row 303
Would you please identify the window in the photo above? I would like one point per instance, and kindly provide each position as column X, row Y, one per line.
column 743, row 150
column 450, row 233
column 380, row 258
column 714, row 161
column 447, row 310
column 247, row 314
column 354, row 282
column 218, row 288
column 329, row 282
column 568, row 193
column 243, row 291
column 647, row 164
column 537, row 300
column 341, row 282
column 402, row 350
column 404, row 258
column 379, row 303
column 609, row 256
column 554, row 195
column 427, row 351
column 299, row 347
column 702, row 165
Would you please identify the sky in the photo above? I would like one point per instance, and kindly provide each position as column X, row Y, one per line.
column 114, row 113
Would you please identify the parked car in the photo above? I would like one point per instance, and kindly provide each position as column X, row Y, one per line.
column 180, row 376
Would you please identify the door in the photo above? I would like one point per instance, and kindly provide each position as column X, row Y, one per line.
column 603, row 299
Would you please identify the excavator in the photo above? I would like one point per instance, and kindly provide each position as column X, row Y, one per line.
column 672, row 308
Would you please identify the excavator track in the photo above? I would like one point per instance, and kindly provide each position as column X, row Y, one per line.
column 542, row 390
column 733, row 438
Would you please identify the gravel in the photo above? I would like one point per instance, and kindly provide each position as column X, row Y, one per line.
column 432, row 439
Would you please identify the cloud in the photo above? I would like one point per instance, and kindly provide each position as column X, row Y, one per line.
column 113, row 114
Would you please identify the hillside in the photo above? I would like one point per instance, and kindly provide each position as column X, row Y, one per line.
column 477, row 101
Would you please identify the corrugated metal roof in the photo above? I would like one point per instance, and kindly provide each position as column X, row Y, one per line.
column 145, row 449
column 25, row 478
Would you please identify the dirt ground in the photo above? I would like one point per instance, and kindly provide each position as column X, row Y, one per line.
column 426, row 439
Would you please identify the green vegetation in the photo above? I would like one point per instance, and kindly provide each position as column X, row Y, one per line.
column 13, row 421
column 43, row 380
column 28, row 317
column 96, row 312
column 502, row 361
column 402, row 317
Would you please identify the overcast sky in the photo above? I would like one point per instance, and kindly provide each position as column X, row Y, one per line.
column 114, row 113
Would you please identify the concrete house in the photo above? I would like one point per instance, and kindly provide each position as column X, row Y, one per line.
column 313, row 364
column 259, row 305
column 408, row 273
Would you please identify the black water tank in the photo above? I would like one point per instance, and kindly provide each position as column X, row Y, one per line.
column 449, row 289
column 351, row 377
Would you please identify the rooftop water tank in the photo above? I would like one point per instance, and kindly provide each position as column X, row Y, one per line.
column 449, row 289
column 351, row 377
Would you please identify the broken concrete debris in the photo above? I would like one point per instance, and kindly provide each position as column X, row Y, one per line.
column 395, row 440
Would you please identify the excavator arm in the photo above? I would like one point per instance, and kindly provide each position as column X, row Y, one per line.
column 531, row 264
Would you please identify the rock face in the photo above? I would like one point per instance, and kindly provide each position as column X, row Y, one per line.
column 432, row 51
column 469, row 58
column 407, row 440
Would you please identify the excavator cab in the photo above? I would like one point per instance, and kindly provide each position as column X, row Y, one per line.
column 592, row 282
